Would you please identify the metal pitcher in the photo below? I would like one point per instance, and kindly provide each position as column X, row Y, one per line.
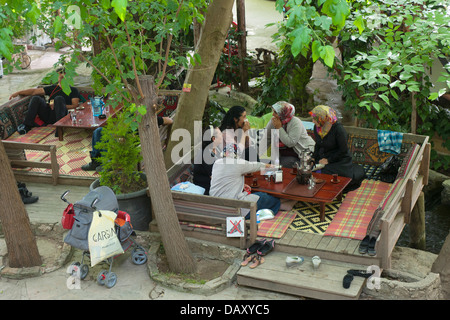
column 304, row 168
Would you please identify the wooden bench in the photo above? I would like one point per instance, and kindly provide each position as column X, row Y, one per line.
column 213, row 212
column 13, row 147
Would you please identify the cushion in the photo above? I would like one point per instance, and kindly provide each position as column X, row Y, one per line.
column 7, row 124
column 19, row 110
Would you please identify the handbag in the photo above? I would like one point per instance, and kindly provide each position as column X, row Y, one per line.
column 68, row 217
column 389, row 169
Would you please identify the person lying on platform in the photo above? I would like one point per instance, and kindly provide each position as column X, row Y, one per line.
column 95, row 154
column 228, row 180
column 42, row 112
column 331, row 148
column 293, row 138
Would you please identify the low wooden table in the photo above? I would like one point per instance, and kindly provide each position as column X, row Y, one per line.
column 326, row 192
column 85, row 119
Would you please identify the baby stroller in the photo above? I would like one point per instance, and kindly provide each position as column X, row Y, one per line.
column 77, row 218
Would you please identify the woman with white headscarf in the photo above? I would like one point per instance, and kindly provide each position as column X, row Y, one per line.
column 292, row 135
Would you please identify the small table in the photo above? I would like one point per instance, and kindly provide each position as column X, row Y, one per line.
column 85, row 119
column 326, row 193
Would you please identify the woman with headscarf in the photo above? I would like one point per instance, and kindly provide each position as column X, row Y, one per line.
column 228, row 180
column 292, row 135
column 331, row 148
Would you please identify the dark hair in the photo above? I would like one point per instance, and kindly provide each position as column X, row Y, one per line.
column 234, row 112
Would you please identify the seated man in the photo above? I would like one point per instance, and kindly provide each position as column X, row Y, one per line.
column 96, row 153
column 228, row 180
column 56, row 108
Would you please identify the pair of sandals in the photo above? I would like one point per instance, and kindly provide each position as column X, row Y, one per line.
column 367, row 245
column 254, row 255
column 348, row 278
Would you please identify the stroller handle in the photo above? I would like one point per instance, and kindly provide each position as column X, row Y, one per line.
column 63, row 196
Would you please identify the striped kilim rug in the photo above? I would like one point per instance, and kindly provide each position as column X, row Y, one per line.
column 355, row 212
column 307, row 216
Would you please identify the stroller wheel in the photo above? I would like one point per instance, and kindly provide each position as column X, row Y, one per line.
column 101, row 277
column 111, row 279
column 84, row 270
column 139, row 257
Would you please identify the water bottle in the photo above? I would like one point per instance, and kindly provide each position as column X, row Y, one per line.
column 257, row 216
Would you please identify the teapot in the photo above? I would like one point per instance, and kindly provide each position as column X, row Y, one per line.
column 304, row 169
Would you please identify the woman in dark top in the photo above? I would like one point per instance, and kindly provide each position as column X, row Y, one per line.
column 212, row 139
column 331, row 148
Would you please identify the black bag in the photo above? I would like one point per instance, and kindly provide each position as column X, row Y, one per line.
column 388, row 170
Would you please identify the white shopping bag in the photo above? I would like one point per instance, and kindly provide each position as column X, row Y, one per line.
column 103, row 241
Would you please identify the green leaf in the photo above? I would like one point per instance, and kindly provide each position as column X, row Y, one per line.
column 328, row 56
column 302, row 39
column 120, row 7
column 359, row 23
column 34, row 13
column 315, row 50
column 57, row 26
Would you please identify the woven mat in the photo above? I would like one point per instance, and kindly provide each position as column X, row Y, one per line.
column 71, row 153
column 35, row 135
column 307, row 216
column 276, row 227
column 355, row 212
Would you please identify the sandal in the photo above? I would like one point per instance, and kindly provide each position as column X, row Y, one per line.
column 371, row 249
column 348, row 278
column 364, row 245
column 256, row 261
column 251, row 250
column 247, row 259
column 266, row 248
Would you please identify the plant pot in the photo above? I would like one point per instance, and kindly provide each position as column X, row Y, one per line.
column 136, row 204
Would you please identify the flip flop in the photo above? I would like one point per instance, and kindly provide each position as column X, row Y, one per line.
column 266, row 248
column 256, row 261
column 360, row 273
column 371, row 249
column 364, row 245
column 346, row 282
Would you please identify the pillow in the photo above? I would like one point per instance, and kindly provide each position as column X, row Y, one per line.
column 7, row 124
column 188, row 187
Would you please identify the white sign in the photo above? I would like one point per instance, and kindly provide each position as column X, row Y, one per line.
column 235, row 226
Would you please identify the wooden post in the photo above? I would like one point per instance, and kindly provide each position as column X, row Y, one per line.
column 417, row 224
column 242, row 29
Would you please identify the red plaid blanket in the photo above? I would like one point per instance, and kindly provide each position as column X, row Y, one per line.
column 357, row 209
column 276, row 227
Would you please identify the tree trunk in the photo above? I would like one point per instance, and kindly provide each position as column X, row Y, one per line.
column 442, row 266
column 178, row 254
column 192, row 104
column 240, row 11
column 20, row 240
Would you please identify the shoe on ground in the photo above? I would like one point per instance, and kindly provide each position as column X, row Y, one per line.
column 30, row 199
column 91, row 166
column 292, row 261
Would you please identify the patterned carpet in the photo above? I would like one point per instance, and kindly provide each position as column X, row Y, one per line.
column 71, row 153
column 308, row 216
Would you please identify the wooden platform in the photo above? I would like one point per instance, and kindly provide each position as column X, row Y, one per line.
column 324, row 283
